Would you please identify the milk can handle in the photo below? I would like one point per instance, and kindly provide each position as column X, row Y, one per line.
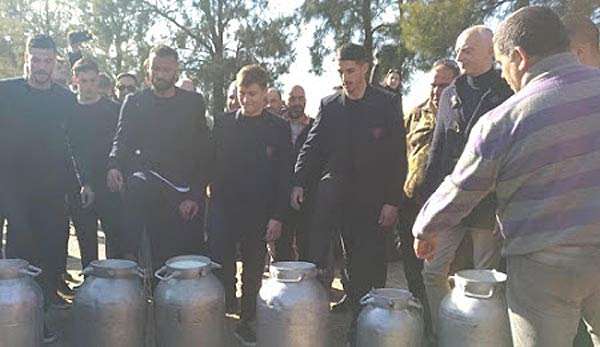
column 215, row 266
column 159, row 274
column 370, row 299
column 480, row 296
column 87, row 270
column 451, row 281
column 291, row 280
column 31, row 271
column 415, row 304
column 141, row 272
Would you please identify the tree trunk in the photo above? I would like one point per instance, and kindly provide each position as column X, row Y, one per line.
column 218, row 83
column 367, row 26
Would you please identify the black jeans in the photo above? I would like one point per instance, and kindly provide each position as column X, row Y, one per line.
column 36, row 233
column 413, row 266
column 107, row 208
column 154, row 207
column 225, row 235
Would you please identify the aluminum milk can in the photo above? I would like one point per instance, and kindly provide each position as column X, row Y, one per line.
column 21, row 304
column 474, row 313
column 109, row 310
column 390, row 317
column 189, row 304
column 292, row 308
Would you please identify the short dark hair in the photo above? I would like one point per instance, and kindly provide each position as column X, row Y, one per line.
column 41, row 41
column 85, row 64
column 164, row 51
column 251, row 74
column 449, row 64
column 104, row 81
column 536, row 29
column 582, row 29
column 354, row 52
column 127, row 74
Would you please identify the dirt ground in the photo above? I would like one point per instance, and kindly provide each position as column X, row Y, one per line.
column 60, row 319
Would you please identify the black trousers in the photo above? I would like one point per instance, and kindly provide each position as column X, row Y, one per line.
column 364, row 251
column 107, row 209
column 413, row 266
column 293, row 234
column 322, row 233
column 154, row 207
column 245, row 232
column 36, row 233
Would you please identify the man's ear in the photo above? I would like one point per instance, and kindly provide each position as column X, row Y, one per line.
column 524, row 58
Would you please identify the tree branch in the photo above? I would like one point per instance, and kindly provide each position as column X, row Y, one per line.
column 173, row 21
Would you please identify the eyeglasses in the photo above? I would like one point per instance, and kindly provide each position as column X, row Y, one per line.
column 126, row 88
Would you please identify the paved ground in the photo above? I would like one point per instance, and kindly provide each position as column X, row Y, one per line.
column 61, row 319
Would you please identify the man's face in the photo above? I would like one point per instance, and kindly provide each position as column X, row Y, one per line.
column 474, row 54
column 40, row 65
column 511, row 71
column 163, row 72
column 125, row 85
column 252, row 99
column 274, row 102
column 296, row 102
column 232, row 99
column 353, row 75
column 392, row 80
column 442, row 77
column 87, row 84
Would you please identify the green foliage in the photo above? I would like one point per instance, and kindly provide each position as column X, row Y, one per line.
column 347, row 20
column 120, row 28
column 220, row 36
column 22, row 18
column 431, row 27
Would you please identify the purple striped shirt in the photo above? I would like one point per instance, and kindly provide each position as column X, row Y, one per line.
column 539, row 152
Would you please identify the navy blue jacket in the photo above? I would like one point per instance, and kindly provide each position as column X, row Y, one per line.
column 451, row 133
column 252, row 166
column 359, row 142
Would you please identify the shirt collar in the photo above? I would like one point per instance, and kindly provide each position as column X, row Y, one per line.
column 547, row 64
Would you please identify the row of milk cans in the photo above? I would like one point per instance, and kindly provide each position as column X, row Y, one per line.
column 110, row 308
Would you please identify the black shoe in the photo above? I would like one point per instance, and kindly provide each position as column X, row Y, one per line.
column 65, row 290
column 49, row 336
column 69, row 278
column 232, row 306
column 245, row 334
column 59, row 303
column 341, row 306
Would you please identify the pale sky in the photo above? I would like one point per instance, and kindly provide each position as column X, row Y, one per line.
column 317, row 87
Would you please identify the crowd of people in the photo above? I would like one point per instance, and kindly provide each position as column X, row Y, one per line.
column 496, row 169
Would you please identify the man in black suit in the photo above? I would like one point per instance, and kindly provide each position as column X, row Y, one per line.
column 357, row 149
column 162, row 151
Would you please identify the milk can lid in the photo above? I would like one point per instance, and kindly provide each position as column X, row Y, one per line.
column 481, row 276
column 10, row 268
column 198, row 258
column 292, row 271
column 187, row 264
column 116, row 268
column 479, row 284
column 391, row 298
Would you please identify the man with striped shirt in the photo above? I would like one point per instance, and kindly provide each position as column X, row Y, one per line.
column 539, row 152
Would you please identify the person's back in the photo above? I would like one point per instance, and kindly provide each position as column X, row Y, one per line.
column 548, row 188
column 539, row 152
